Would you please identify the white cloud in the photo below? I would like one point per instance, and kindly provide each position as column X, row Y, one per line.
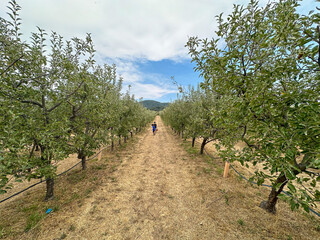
column 129, row 29
column 151, row 29
column 146, row 85
column 150, row 91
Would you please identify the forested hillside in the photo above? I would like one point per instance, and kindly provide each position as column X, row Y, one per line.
column 154, row 105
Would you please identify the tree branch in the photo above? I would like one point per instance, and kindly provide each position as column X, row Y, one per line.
column 12, row 64
column 318, row 30
column 312, row 173
column 66, row 98
column 211, row 140
column 22, row 101
column 244, row 131
column 31, row 102
column 250, row 145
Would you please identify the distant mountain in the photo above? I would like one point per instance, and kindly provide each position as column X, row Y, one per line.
column 154, row 105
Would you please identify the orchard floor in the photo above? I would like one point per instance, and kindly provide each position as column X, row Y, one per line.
column 162, row 189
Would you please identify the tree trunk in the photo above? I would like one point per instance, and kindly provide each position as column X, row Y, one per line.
column 84, row 162
column 119, row 140
column 182, row 127
column 204, row 142
column 193, row 140
column 49, row 193
column 112, row 138
column 270, row 204
column 112, row 144
column 49, row 180
column 125, row 140
column 136, row 130
column 131, row 133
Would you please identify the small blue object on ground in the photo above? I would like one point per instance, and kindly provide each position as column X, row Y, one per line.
column 49, row 211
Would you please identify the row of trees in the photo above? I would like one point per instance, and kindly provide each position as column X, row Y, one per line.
column 191, row 116
column 261, row 86
column 57, row 100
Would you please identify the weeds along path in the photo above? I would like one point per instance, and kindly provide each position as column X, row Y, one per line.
column 160, row 191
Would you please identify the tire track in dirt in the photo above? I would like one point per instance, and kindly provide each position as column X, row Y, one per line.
column 152, row 195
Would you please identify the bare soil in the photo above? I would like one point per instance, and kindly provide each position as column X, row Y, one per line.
column 163, row 189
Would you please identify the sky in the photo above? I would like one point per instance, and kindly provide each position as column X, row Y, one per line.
column 144, row 38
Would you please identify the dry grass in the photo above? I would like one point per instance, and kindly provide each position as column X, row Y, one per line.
column 157, row 188
column 26, row 212
column 250, row 170
column 238, row 212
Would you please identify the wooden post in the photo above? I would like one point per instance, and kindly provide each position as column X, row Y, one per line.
column 99, row 156
column 226, row 169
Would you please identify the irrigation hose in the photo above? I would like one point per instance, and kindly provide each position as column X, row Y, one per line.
column 41, row 181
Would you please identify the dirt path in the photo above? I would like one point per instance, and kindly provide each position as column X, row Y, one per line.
column 153, row 197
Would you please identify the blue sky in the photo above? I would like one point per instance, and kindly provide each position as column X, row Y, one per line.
column 182, row 72
column 144, row 38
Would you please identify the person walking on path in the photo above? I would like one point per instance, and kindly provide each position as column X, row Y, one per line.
column 154, row 128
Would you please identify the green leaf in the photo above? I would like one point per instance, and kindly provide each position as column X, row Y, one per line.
column 2, row 191
column 290, row 175
column 260, row 181
column 292, row 187
column 305, row 206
